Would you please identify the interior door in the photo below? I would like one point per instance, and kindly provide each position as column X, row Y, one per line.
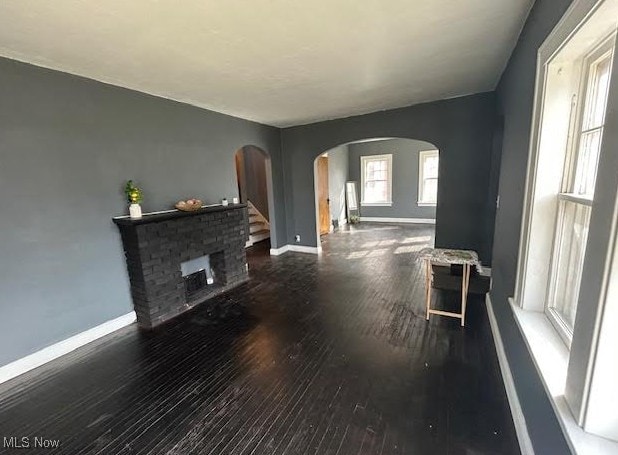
column 323, row 201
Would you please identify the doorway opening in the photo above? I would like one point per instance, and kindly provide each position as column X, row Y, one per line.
column 254, row 180
column 379, row 180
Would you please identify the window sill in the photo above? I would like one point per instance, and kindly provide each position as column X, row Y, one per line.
column 376, row 204
column 551, row 358
column 426, row 204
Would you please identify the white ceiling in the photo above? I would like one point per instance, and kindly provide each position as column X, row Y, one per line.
column 278, row 62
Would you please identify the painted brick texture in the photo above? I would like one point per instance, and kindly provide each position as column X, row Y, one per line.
column 156, row 245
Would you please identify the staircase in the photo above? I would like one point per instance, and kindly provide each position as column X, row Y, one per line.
column 259, row 227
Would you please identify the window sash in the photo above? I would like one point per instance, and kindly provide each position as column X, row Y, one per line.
column 575, row 204
column 376, row 176
column 428, row 177
column 571, row 236
column 429, row 196
column 587, row 147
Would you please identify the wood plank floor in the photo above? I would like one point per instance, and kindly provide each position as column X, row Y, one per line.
column 314, row 355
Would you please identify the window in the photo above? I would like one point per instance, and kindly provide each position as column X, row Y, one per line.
column 566, row 292
column 376, row 180
column 428, row 177
column 575, row 199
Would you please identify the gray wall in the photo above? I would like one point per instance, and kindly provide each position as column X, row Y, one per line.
column 405, row 176
column 67, row 145
column 515, row 95
column 337, row 176
column 462, row 129
column 255, row 178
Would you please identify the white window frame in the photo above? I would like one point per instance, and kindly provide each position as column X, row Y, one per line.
column 364, row 160
column 580, row 384
column 422, row 199
column 576, row 130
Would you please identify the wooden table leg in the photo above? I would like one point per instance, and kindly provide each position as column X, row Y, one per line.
column 428, row 286
column 465, row 282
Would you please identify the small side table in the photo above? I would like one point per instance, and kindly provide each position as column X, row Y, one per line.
column 466, row 258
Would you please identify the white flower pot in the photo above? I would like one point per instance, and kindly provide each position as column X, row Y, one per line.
column 135, row 211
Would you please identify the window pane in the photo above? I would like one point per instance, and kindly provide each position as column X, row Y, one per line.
column 596, row 98
column 587, row 161
column 376, row 165
column 376, row 191
column 430, row 190
column 376, row 184
column 567, row 267
column 430, row 168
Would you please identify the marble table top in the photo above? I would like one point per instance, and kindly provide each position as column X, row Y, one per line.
column 450, row 256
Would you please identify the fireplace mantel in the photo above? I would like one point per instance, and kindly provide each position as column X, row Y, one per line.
column 157, row 244
column 155, row 217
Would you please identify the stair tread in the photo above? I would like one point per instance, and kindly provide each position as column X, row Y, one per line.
column 263, row 231
column 254, row 223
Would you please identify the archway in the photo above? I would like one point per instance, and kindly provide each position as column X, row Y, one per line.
column 397, row 181
column 254, row 180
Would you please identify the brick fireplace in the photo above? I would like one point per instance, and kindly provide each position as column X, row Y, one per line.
column 177, row 260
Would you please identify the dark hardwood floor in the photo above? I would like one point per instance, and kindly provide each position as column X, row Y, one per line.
column 314, row 355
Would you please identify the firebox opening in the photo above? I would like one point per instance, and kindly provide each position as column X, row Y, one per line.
column 197, row 274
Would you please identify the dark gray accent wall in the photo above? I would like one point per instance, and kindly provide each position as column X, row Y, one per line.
column 515, row 96
column 255, row 178
column 461, row 128
column 337, row 176
column 405, row 176
column 67, row 145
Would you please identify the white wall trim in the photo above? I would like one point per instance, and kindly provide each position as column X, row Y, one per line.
column 305, row 249
column 521, row 429
column 377, row 204
column 551, row 359
column 279, row 251
column 63, row 347
column 296, row 249
column 374, row 219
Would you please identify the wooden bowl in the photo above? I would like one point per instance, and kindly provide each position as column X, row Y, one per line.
column 189, row 206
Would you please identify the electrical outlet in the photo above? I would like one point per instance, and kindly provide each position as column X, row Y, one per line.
column 297, row 238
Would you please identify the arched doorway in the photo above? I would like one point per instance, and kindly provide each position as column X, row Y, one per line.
column 396, row 181
column 254, row 181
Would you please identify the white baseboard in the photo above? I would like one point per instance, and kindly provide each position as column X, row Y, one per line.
column 305, row 249
column 373, row 219
column 296, row 249
column 63, row 347
column 525, row 444
column 278, row 251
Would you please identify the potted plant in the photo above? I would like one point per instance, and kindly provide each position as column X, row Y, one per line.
column 134, row 197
